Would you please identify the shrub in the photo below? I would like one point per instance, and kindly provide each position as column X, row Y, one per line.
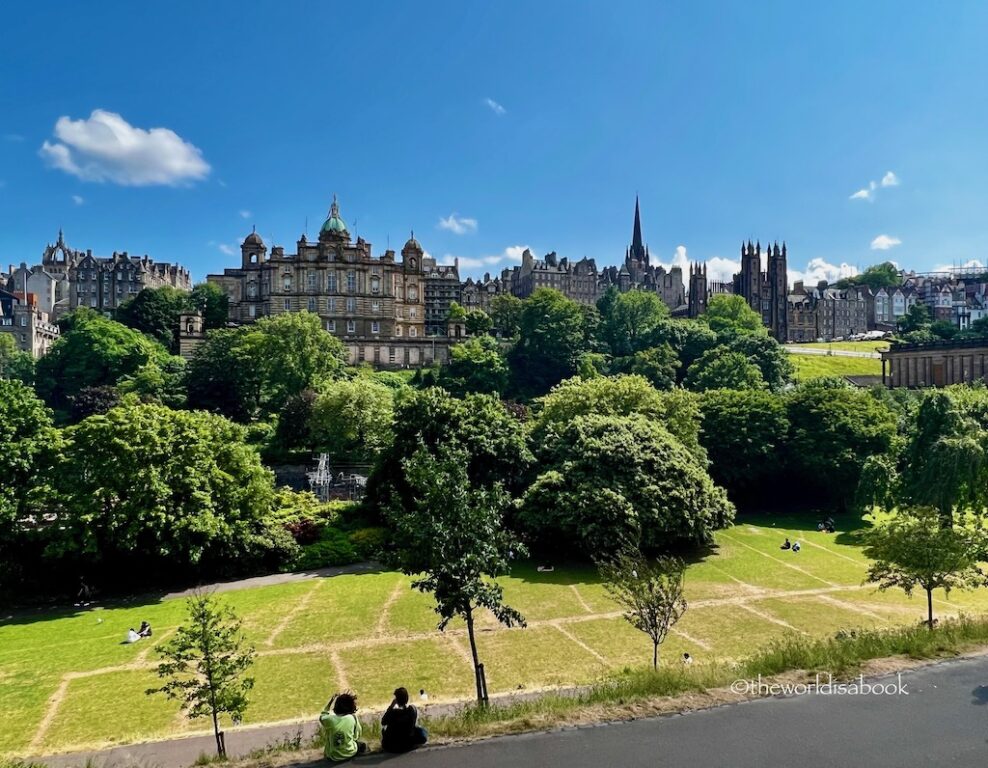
column 332, row 548
column 369, row 543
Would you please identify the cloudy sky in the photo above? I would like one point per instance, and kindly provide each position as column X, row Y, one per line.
column 855, row 132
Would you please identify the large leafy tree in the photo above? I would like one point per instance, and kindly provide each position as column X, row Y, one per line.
column 732, row 313
column 255, row 369
column 629, row 320
column 833, row 429
column 478, row 323
column 609, row 483
column 454, row 541
column 155, row 312
column 476, row 365
column 150, row 489
column 616, row 396
column 352, row 419
column 212, row 303
column 505, row 311
column 205, row 665
column 689, row 339
column 743, row 432
column 657, row 364
column 95, row 351
column 720, row 368
column 917, row 318
column 26, row 434
column 876, row 277
column 765, row 353
column 14, row 364
column 914, row 549
column 479, row 427
column 553, row 336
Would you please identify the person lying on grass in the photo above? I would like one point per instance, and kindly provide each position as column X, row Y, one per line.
column 341, row 727
column 399, row 729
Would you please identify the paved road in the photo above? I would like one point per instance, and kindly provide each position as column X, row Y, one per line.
column 942, row 720
column 796, row 349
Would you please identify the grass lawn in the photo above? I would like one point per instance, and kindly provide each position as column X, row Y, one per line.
column 67, row 682
column 815, row 366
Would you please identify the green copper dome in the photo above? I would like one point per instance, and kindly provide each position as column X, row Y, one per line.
column 334, row 223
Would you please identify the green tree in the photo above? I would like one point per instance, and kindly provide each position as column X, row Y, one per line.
column 743, row 432
column 917, row 318
column 478, row 322
column 616, row 396
column 876, row 277
column 161, row 381
column 720, row 368
column 212, row 304
column 505, row 311
column 14, row 364
column 878, row 484
column 766, row 354
column 833, row 429
column 455, row 543
column 26, row 433
column 205, row 664
column 551, row 341
column 944, row 329
column 147, row 490
column 478, row 427
column 689, row 339
column 352, row 419
column 651, row 593
column 94, row 352
column 657, row 364
column 629, row 320
column 914, row 550
column 730, row 312
column 476, row 365
column 609, row 483
column 254, row 370
column 155, row 313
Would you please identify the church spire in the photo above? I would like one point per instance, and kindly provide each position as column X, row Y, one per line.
column 637, row 247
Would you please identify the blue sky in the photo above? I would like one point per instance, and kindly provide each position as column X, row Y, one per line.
column 530, row 123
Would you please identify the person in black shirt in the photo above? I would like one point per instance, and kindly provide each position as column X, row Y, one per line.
column 399, row 729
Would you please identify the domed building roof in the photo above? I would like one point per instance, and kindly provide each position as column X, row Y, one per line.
column 253, row 239
column 412, row 244
column 334, row 222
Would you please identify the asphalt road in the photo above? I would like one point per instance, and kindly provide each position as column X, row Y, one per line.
column 796, row 349
column 940, row 720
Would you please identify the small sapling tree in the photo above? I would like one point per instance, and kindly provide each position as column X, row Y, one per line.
column 205, row 665
column 651, row 593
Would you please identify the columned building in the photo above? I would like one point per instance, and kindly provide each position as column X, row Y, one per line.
column 376, row 305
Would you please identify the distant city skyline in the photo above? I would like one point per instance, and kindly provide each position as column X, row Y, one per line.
column 853, row 133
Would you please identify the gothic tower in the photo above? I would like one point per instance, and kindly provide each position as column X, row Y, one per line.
column 778, row 287
column 698, row 290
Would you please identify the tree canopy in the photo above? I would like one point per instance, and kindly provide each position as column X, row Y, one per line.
column 731, row 312
column 553, row 336
column 476, row 365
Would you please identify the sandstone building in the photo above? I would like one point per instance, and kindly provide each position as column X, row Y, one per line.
column 376, row 305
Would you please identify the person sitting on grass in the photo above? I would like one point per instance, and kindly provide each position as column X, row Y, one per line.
column 145, row 630
column 399, row 729
column 785, row 544
column 341, row 727
column 796, row 547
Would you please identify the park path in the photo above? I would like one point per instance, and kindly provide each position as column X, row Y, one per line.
column 797, row 349
column 274, row 579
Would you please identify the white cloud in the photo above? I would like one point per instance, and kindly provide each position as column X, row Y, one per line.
column 245, row 214
column 890, row 180
column 884, row 242
column 78, row 199
column 508, row 257
column 721, row 270
column 458, row 225
column 105, row 147
column 679, row 259
column 496, row 108
column 227, row 249
column 862, row 194
column 820, row 269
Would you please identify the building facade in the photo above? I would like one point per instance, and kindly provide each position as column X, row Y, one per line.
column 442, row 288
column 765, row 291
column 69, row 278
column 376, row 305
column 575, row 280
column 22, row 318
column 937, row 364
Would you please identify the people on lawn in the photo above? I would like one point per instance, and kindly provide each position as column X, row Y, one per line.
column 687, row 659
column 145, row 630
column 795, row 546
column 341, row 727
column 785, row 544
column 132, row 636
column 400, row 731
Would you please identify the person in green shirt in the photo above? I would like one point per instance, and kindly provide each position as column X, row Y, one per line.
column 342, row 728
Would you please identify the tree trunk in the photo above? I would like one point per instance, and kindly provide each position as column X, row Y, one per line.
column 220, row 746
column 476, row 658
column 655, row 655
column 929, row 608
